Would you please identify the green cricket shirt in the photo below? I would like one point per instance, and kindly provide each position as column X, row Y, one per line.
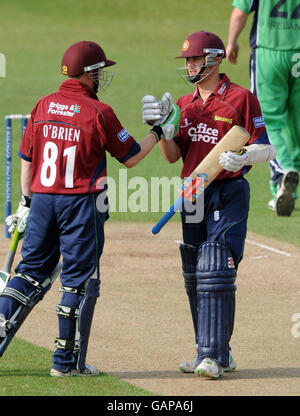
column 276, row 23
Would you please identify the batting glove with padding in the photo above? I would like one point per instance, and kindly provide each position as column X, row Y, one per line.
column 19, row 219
column 164, row 116
column 170, row 125
column 234, row 161
column 152, row 110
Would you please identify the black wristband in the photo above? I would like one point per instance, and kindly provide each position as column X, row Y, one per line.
column 158, row 132
column 25, row 200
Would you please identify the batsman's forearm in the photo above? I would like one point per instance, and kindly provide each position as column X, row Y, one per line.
column 169, row 150
column 146, row 145
column 25, row 177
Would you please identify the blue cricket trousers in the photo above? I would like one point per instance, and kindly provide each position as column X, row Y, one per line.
column 67, row 225
column 226, row 206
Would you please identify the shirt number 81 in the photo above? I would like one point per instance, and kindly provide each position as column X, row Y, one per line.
column 49, row 169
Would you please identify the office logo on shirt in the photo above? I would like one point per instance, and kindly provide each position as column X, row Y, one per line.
column 203, row 133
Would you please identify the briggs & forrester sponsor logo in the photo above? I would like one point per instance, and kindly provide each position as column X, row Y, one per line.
column 63, row 109
column 203, row 133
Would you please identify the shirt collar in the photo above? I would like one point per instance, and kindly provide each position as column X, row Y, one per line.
column 73, row 85
column 220, row 89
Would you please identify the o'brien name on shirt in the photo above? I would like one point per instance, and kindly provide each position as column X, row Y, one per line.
column 61, row 133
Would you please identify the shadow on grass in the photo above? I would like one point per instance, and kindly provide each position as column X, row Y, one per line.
column 15, row 372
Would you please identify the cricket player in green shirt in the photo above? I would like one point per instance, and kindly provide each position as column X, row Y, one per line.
column 275, row 79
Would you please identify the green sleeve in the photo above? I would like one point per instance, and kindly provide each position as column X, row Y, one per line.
column 243, row 5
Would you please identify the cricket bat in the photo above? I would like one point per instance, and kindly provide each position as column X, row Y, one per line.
column 5, row 272
column 207, row 170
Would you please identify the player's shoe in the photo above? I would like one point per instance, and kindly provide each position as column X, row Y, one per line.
column 209, row 368
column 272, row 204
column 232, row 363
column 190, row 366
column 90, row 370
column 285, row 201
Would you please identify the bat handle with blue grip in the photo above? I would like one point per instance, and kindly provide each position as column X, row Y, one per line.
column 169, row 214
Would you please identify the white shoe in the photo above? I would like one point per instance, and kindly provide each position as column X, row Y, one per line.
column 209, row 368
column 232, row 363
column 56, row 373
column 272, row 204
column 90, row 370
column 190, row 366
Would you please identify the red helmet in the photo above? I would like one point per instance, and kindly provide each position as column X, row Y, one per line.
column 83, row 57
column 201, row 44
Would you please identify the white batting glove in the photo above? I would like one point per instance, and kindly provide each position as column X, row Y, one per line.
column 234, row 161
column 170, row 126
column 164, row 116
column 156, row 112
column 152, row 110
column 167, row 106
column 19, row 219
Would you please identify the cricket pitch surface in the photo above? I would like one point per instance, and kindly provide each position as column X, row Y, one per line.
column 142, row 327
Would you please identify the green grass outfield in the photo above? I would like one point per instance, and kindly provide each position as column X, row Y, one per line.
column 25, row 372
column 143, row 37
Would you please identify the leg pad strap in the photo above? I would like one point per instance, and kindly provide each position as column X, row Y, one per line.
column 75, row 314
column 24, row 293
column 67, row 344
column 67, row 312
